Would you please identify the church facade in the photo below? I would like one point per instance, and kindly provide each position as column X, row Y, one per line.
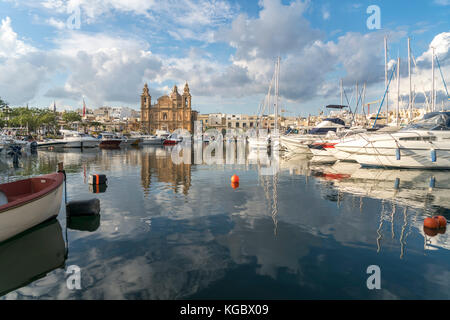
column 171, row 112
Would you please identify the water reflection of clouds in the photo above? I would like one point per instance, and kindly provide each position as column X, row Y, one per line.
column 202, row 230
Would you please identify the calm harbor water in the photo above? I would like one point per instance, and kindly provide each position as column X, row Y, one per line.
column 180, row 231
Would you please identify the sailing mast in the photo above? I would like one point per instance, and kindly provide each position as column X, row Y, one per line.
column 433, row 90
column 277, row 70
column 398, row 91
column 410, row 83
column 386, row 77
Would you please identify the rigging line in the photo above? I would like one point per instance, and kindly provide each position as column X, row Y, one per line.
column 357, row 103
column 384, row 96
column 421, row 82
column 442, row 76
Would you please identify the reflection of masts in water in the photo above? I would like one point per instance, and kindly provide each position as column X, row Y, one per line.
column 275, row 203
column 380, row 226
column 392, row 220
column 403, row 240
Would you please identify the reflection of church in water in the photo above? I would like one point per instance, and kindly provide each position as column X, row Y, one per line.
column 156, row 164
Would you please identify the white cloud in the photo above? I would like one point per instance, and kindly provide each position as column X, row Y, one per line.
column 58, row 24
column 10, row 45
column 442, row 2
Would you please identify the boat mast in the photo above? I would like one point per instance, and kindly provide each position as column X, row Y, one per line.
column 342, row 93
column 386, row 77
column 363, row 101
column 433, row 90
column 398, row 91
column 410, row 82
column 277, row 70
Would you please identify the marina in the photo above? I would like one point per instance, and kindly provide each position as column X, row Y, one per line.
column 193, row 235
column 239, row 158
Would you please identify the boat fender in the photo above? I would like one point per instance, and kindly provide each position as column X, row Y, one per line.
column 397, row 154
column 96, row 179
column 432, row 182
column 397, row 183
column 433, row 155
column 83, row 208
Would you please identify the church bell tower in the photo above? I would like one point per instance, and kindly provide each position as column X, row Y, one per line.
column 146, row 102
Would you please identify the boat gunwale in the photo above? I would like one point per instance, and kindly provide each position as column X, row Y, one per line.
column 58, row 177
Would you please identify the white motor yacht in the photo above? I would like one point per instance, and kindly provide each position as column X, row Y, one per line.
column 299, row 143
column 75, row 139
column 425, row 145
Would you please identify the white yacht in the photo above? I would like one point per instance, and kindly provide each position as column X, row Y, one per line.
column 300, row 143
column 157, row 139
column 75, row 139
column 425, row 145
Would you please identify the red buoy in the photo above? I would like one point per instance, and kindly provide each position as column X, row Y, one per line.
column 441, row 221
column 235, row 178
column 431, row 223
column 235, row 185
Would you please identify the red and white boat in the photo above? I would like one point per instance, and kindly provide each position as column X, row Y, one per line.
column 27, row 203
column 172, row 139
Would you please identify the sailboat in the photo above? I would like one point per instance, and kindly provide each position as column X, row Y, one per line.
column 261, row 141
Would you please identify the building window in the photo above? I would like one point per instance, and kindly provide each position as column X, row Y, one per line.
column 244, row 125
column 229, row 124
column 251, row 124
column 164, row 116
column 237, row 124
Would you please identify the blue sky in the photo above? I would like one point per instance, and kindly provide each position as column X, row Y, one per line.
column 226, row 50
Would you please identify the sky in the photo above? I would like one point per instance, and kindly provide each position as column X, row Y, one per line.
column 104, row 51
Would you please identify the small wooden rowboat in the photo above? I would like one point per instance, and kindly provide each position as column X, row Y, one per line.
column 27, row 203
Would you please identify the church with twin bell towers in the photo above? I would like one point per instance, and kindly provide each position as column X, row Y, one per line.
column 171, row 112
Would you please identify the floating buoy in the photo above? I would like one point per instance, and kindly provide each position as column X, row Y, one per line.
column 430, row 232
column 442, row 222
column 84, row 223
column 431, row 223
column 235, row 178
column 83, row 208
column 98, row 188
column 97, row 179
column 235, row 185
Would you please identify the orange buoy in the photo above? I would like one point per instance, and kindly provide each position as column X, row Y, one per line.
column 430, row 232
column 235, row 185
column 431, row 223
column 235, row 178
column 441, row 221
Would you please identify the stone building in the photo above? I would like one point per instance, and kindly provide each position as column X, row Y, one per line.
column 171, row 112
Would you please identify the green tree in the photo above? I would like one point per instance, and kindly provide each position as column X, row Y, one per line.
column 3, row 103
column 71, row 116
